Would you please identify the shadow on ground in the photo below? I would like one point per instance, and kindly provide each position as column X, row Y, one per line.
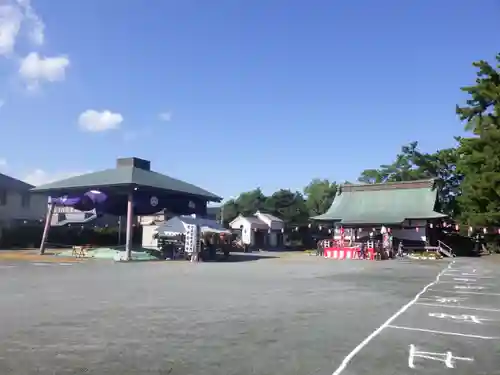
column 249, row 257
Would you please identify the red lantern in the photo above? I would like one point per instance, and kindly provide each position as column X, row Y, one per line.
column 457, row 227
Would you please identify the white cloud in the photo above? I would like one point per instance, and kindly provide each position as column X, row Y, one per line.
column 34, row 69
column 39, row 176
column 94, row 121
column 3, row 163
column 16, row 16
column 165, row 116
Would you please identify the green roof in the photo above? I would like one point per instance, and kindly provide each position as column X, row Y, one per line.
column 129, row 172
column 389, row 203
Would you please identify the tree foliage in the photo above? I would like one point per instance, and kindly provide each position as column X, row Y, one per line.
column 479, row 160
column 411, row 164
column 319, row 196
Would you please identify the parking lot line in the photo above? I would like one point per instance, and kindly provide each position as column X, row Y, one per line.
column 463, row 292
column 388, row 322
column 444, row 332
column 458, row 307
column 459, row 281
column 470, row 275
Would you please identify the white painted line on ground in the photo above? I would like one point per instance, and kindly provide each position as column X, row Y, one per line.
column 447, row 358
column 41, row 264
column 65, row 264
column 444, row 332
column 458, row 307
column 5, row 267
column 387, row 323
column 465, row 282
column 475, row 276
column 464, row 292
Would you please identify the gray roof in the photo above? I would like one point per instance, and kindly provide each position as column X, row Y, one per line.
column 11, row 183
column 387, row 203
column 130, row 173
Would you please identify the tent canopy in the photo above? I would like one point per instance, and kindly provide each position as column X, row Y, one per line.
column 177, row 225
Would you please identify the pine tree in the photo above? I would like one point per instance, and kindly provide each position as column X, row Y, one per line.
column 479, row 155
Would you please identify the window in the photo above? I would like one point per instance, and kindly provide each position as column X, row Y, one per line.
column 25, row 200
column 3, row 197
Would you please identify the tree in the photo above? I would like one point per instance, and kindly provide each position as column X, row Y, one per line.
column 289, row 206
column 229, row 211
column 406, row 167
column 411, row 164
column 319, row 196
column 250, row 202
column 483, row 107
column 479, row 155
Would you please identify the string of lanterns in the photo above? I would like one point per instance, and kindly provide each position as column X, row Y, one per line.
column 444, row 225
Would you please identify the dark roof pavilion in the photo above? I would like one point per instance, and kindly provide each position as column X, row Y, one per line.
column 129, row 173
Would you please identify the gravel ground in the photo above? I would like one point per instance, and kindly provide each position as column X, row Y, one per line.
column 287, row 315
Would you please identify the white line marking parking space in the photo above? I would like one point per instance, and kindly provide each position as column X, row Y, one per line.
column 388, row 322
column 458, row 307
column 464, row 292
column 444, row 332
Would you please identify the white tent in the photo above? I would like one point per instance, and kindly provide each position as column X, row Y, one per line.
column 177, row 225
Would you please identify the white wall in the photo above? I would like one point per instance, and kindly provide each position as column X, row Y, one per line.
column 148, row 241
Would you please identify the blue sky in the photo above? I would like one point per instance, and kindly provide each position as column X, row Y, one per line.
column 268, row 93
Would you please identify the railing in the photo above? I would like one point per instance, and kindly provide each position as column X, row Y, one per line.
column 445, row 249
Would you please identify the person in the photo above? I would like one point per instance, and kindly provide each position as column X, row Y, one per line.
column 362, row 250
column 400, row 249
column 319, row 248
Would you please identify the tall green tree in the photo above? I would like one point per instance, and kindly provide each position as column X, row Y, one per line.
column 251, row 201
column 229, row 211
column 288, row 206
column 412, row 164
column 319, row 196
column 479, row 155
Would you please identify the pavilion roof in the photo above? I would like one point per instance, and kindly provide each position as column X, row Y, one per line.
column 129, row 172
column 387, row 203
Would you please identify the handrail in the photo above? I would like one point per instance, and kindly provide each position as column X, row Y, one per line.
column 442, row 244
column 445, row 249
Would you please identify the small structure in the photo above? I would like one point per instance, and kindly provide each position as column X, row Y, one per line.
column 407, row 208
column 129, row 189
column 178, row 225
column 261, row 230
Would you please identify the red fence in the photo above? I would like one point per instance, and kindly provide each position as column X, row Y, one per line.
column 348, row 253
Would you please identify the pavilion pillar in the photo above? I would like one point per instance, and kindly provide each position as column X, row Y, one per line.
column 129, row 227
column 48, row 220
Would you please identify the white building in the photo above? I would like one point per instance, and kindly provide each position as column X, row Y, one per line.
column 261, row 230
